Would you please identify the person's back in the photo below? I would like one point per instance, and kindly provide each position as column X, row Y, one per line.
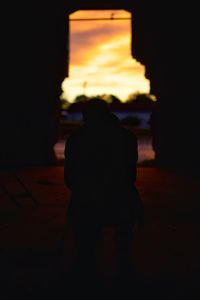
column 100, row 170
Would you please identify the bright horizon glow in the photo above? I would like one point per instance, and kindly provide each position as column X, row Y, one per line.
column 100, row 57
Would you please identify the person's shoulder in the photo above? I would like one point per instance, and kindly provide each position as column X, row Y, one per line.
column 127, row 133
column 76, row 134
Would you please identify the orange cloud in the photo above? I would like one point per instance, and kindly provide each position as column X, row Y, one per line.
column 100, row 55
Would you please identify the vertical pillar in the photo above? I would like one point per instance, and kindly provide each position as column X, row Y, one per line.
column 36, row 60
column 160, row 42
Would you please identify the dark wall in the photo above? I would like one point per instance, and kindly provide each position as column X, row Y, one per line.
column 165, row 40
column 34, row 63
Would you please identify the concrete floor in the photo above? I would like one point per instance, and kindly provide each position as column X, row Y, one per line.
column 166, row 252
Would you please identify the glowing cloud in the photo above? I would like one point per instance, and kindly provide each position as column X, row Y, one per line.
column 100, row 57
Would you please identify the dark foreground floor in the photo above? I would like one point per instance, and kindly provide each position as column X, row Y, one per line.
column 166, row 253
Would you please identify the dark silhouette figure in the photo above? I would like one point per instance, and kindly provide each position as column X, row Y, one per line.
column 100, row 171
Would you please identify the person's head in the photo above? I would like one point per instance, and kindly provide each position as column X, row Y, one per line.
column 95, row 110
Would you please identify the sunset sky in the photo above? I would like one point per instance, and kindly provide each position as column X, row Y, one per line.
column 100, row 57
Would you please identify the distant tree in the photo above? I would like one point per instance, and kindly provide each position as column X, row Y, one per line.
column 140, row 98
column 64, row 104
column 81, row 98
column 110, row 98
column 115, row 99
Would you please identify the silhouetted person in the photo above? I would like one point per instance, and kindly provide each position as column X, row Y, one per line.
column 100, row 171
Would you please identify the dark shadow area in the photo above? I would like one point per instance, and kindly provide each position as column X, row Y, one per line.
column 166, row 261
column 40, row 274
column 36, row 262
column 45, row 274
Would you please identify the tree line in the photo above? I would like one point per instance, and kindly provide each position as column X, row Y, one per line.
column 140, row 98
